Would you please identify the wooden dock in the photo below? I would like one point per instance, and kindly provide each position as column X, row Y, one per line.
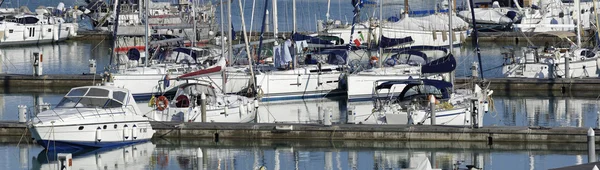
column 218, row 131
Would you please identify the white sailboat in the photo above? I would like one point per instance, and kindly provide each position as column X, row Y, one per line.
column 91, row 117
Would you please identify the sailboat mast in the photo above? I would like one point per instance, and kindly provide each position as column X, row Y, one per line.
column 146, row 32
column 356, row 11
column 194, row 38
column 475, row 36
column 450, row 39
column 223, row 77
column 294, row 16
column 327, row 14
column 262, row 30
column 229, row 36
column 249, row 54
column 380, row 60
column 275, row 25
column 578, row 22
column 115, row 30
column 596, row 17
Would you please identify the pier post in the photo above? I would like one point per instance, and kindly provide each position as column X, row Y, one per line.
column 591, row 145
column 22, row 113
column 203, row 106
column 432, row 107
column 65, row 161
column 37, row 61
column 256, row 111
column 92, row 66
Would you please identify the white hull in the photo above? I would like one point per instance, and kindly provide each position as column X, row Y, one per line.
column 134, row 157
column 584, row 68
column 21, row 34
column 420, row 38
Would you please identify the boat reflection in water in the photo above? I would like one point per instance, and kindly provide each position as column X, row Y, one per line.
column 547, row 112
column 129, row 157
column 301, row 111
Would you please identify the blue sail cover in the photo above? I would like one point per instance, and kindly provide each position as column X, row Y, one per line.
column 443, row 86
column 310, row 39
column 442, row 65
column 390, row 42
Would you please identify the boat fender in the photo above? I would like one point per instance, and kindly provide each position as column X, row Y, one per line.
column 162, row 103
column 98, row 134
column 126, row 132
column 134, row 132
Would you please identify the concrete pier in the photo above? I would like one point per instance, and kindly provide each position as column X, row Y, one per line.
column 218, row 131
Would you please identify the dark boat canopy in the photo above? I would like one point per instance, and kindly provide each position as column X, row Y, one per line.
column 440, row 85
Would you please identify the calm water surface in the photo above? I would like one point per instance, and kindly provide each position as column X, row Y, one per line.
column 303, row 155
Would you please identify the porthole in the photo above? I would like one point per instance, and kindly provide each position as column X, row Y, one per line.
column 10, row 31
column 115, row 126
column 104, row 127
column 49, row 30
column 80, row 127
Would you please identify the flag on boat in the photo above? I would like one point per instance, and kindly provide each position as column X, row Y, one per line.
column 357, row 42
column 362, row 38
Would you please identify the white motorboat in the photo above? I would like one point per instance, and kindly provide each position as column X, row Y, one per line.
column 412, row 105
column 29, row 28
column 91, row 117
column 187, row 107
column 131, row 157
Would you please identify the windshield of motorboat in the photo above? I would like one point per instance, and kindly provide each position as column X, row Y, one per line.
column 92, row 98
column 196, row 90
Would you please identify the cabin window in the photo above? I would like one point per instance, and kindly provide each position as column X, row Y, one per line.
column 104, row 127
column 113, row 104
column 155, row 31
column 80, row 127
column 97, row 92
column 77, row 92
column 31, row 31
column 180, row 31
column 49, row 29
column 10, row 31
column 115, row 126
column 120, row 96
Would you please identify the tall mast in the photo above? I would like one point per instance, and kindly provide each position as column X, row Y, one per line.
column 380, row 60
column 249, row 54
column 262, row 29
column 356, row 4
column 327, row 14
column 476, row 37
column 275, row 25
column 450, row 39
column 294, row 15
column 229, row 36
column 223, row 78
column 578, row 22
column 146, row 32
column 115, row 30
column 194, row 38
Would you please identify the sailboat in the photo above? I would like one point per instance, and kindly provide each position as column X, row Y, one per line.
column 553, row 62
column 427, row 101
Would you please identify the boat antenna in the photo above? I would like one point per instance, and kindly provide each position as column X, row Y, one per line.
column 475, row 37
